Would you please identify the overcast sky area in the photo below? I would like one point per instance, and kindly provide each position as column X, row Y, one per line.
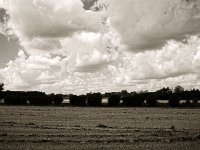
column 74, row 46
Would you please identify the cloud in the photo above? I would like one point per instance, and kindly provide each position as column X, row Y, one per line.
column 47, row 44
column 149, row 24
column 89, row 53
column 88, row 3
column 67, row 49
column 48, row 18
column 40, row 25
column 175, row 64
column 57, row 27
column 173, row 60
column 28, row 70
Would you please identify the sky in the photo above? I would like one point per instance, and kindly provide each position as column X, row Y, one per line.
column 74, row 46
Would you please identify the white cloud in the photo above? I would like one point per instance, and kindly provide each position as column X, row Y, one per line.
column 148, row 24
column 27, row 70
column 88, row 51
column 174, row 59
column 49, row 18
column 40, row 25
column 67, row 49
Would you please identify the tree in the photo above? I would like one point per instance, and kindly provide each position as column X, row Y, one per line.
column 187, row 102
column 1, row 86
column 151, row 100
column 15, row 100
column 1, row 89
column 195, row 101
column 56, row 99
column 174, row 100
column 178, row 89
column 114, row 100
column 94, row 99
column 124, row 93
column 164, row 93
column 40, row 100
column 134, row 99
column 75, row 100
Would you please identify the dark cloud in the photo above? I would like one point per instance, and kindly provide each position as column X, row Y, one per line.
column 88, row 3
column 8, row 47
column 8, row 50
column 2, row 13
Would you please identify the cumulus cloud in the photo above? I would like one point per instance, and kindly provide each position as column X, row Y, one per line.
column 172, row 60
column 175, row 64
column 148, row 24
column 49, row 18
column 67, row 49
column 40, row 25
column 27, row 71
column 90, row 53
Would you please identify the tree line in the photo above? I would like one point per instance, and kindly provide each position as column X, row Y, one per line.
column 31, row 98
column 123, row 98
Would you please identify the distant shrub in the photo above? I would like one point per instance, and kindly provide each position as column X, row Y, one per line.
column 164, row 93
column 1, row 95
column 195, row 101
column 56, row 99
column 133, row 100
column 82, row 100
column 114, row 100
column 75, row 100
column 187, row 102
column 40, row 100
column 151, row 100
column 94, row 99
column 174, row 100
column 15, row 100
column 195, row 96
column 72, row 99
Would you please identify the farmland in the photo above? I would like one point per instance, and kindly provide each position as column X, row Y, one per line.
column 36, row 127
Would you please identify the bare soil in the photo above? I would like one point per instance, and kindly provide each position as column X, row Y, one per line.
column 29, row 127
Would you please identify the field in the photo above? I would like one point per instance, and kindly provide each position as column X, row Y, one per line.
column 28, row 127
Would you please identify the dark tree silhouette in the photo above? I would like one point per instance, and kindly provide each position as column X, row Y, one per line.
column 151, row 100
column 1, row 87
column 134, row 100
column 114, row 100
column 77, row 100
column 195, row 95
column 82, row 99
column 40, row 100
column 164, row 93
column 178, row 89
column 15, row 100
column 124, row 93
column 187, row 102
column 1, row 91
column 94, row 99
column 195, row 101
column 73, row 100
column 174, row 100
column 56, row 99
